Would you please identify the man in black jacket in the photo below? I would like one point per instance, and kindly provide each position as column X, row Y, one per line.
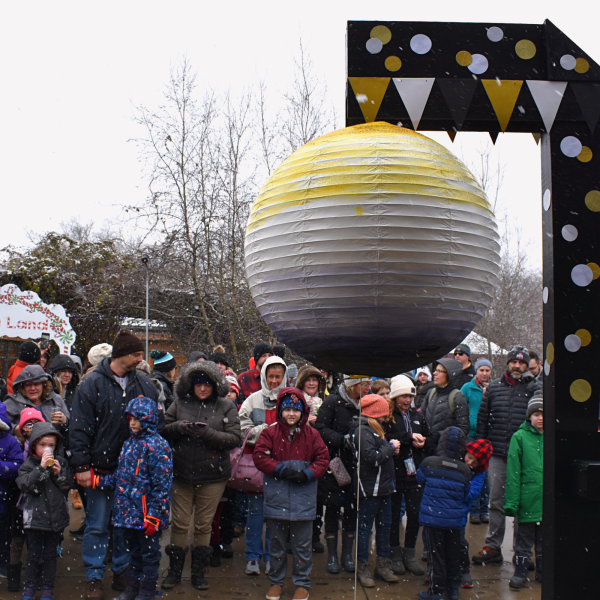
column 503, row 409
column 463, row 355
column 98, row 429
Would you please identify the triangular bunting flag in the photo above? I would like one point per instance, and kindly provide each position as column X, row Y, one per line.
column 369, row 92
column 458, row 94
column 414, row 93
column 547, row 96
column 494, row 135
column 503, row 96
column 537, row 137
column 452, row 134
column 588, row 97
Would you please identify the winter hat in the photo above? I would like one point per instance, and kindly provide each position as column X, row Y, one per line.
column 482, row 451
column 518, row 353
column 163, row 361
column 218, row 356
column 350, row 380
column 482, row 362
column 293, row 371
column 279, row 351
column 202, row 378
column 402, row 385
column 466, row 349
column 29, row 414
column 196, row 355
column 290, row 398
column 260, row 349
column 374, row 406
column 98, row 353
column 29, row 353
column 536, row 404
column 233, row 384
column 424, row 370
column 78, row 363
column 126, row 343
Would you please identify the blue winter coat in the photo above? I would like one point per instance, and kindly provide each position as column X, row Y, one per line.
column 446, row 479
column 476, row 487
column 474, row 394
column 11, row 458
column 144, row 474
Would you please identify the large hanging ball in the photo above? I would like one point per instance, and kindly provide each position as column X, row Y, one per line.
column 372, row 250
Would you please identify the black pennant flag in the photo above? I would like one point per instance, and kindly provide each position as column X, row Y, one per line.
column 458, row 94
column 588, row 97
column 494, row 136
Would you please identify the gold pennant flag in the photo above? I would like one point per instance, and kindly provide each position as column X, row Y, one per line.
column 537, row 137
column 503, row 96
column 369, row 92
column 452, row 134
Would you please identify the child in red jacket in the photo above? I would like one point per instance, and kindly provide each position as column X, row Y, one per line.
column 292, row 457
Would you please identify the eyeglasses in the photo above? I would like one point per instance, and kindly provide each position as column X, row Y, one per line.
column 459, row 353
column 440, row 372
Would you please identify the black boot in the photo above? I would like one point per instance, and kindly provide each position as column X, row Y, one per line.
column 317, row 546
column 147, row 588
column 14, row 577
column 347, row 554
column 215, row 559
column 519, row 579
column 132, row 588
column 538, row 568
column 200, row 559
column 176, row 556
column 333, row 564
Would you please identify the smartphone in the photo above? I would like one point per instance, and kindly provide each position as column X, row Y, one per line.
column 198, row 423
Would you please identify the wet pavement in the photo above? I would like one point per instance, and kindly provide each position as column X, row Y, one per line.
column 230, row 582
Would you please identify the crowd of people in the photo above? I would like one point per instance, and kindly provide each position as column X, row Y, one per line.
column 285, row 457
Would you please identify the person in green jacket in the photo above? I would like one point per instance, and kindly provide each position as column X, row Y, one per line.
column 473, row 392
column 524, row 484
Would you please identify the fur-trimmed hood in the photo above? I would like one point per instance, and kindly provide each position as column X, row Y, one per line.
column 184, row 386
column 309, row 371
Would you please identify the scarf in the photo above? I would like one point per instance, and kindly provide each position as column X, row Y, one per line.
column 344, row 394
column 481, row 384
column 509, row 379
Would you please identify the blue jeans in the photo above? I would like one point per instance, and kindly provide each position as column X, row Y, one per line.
column 378, row 509
column 95, row 537
column 144, row 551
column 254, row 530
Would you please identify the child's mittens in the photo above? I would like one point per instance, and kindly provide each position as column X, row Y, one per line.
column 151, row 525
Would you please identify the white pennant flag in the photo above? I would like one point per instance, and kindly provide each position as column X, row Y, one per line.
column 414, row 93
column 547, row 96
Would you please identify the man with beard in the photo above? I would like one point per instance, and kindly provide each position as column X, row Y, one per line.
column 502, row 410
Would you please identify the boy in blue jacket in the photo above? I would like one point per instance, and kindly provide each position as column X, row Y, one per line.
column 446, row 479
column 143, row 496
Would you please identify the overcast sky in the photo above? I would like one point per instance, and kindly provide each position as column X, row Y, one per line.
column 72, row 72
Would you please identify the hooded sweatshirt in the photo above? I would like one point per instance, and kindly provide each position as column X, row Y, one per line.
column 258, row 411
column 11, row 458
column 303, row 450
column 144, row 475
column 45, row 503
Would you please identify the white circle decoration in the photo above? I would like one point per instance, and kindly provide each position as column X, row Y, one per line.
column 374, row 45
column 495, row 34
column 568, row 62
column 545, row 295
column 420, row 44
column 572, row 343
column 479, row 64
column 546, row 368
column 582, row 275
column 570, row 233
column 546, row 199
column 571, row 146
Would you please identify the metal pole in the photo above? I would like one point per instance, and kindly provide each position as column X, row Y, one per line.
column 147, row 322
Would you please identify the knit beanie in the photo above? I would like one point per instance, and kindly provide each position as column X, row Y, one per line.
column 483, row 362
column 401, row 386
column 233, row 384
column 290, row 398
column 279, row 351
column 260, row 349
column 126, row 343
column 98, row 353
column 196, row 355
column 163, row 361
column 29, row 353
column 482, row 451
column 29, row 414
column 536, row 404
column 374, row 406
column 218, row 356
column 464, row 348
column 518, row 353
column 424, row 370
column 202, row 378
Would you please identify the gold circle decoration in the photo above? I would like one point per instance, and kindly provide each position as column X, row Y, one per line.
column 382, row 33
column 393, row 63
column 592, row 200
column 582, row 65
column 585, row 336
column 595, row 270
column 581, row 390
column 464, row 58
column 525, row 49
column 585, row 155
column 550, row 353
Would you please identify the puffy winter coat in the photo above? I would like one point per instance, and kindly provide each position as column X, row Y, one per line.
column 477, row 482
column 98, row 426
column 45, row 502
column 398, row 431
column 524, row 475
column 447, row 482
column 11, row 458
column 437, row 410
column 206, row 459
column 62, row 362
column 145, row 473
column 503, row 409
column 473, row 394
column 376, row 457
column 277, row 449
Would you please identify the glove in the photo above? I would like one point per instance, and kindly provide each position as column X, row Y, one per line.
column 287, row 473
column 298, row 477
column 198, row 431
column 348, row 443
column 184, row 427
column 150, row 528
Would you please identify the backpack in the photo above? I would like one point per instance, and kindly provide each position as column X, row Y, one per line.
column 451, row 403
